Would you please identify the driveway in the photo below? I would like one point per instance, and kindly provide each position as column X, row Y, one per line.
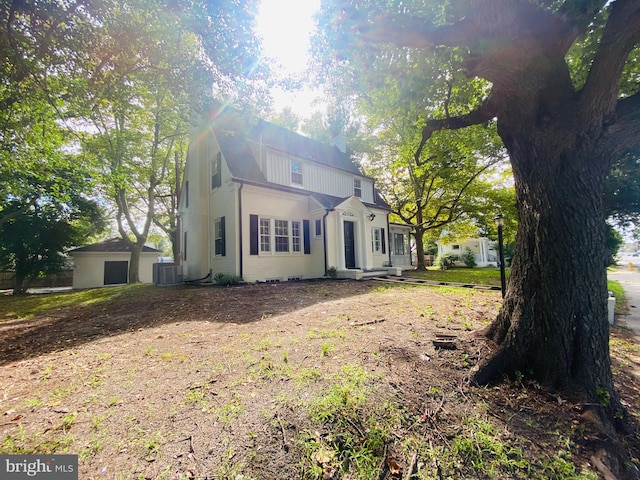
column 629, row 278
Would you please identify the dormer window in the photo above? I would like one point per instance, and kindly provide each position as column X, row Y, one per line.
column 296, row 173
column 357, row 187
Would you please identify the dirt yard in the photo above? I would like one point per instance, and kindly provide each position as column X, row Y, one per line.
column 325, row 379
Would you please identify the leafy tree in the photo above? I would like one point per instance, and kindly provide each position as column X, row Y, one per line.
column 622, row 189
column 564, row 127
column 34, row 242
column 140, row 98
column 287, row 119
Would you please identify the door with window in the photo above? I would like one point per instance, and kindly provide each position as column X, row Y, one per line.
column 349, row 245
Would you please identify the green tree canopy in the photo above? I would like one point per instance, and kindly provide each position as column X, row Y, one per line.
column 560, row 80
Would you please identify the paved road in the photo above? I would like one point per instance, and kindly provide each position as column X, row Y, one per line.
column 630, row 281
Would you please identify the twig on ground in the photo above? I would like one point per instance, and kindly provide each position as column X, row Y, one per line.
column 370, row 322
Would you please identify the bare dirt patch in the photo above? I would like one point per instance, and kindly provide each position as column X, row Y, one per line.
column 296, row 380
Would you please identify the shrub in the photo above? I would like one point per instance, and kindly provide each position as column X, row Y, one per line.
column 224, row 279
column 447, row 260
column 469, row 258
column 332, row 272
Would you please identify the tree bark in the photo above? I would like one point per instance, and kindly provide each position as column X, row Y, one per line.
column 553, row 323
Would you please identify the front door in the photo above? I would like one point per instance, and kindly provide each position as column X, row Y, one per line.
column 349, row 245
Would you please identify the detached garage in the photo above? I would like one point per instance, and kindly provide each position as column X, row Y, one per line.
column 107, row 263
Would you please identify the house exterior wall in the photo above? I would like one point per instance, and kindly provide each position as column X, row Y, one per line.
column 201, row 205
column 282, row 266
column 315, row 178
column 240, row 201
column 88, row 270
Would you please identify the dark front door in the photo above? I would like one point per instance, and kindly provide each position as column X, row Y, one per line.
column 349, row 245
column 116, row 273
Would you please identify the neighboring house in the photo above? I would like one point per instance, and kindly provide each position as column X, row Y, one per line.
column 483, row 250
column 266, row 204
column 107, row 263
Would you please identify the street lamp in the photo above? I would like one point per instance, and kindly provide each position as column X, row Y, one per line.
column 499, row 219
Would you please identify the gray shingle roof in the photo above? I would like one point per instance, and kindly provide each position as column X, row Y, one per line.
column 111, row 245
column 239, row 139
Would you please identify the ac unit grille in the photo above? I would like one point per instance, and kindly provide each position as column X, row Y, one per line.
column 167, row 274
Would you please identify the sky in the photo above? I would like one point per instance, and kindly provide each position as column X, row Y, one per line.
column 286, row 26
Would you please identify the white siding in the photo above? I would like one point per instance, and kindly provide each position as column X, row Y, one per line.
column 279, row 206
column 88, row 270
column 315, row 177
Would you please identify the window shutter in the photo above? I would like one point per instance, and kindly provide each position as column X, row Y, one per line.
column 219, row 169
column 384, row 250
column 253, row 234
column 223, row 250
column 307, row 239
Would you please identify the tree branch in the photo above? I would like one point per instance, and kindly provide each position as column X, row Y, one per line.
column 621, row 34
column 484, row 113
column 623, row 133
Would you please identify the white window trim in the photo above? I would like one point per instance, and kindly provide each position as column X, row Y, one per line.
column 377, row 248
column 272, row 237
column 299, row 171
column 357, row 188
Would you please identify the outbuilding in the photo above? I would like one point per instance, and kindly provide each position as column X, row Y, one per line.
column 107, row 263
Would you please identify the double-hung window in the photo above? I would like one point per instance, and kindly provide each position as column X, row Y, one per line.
column 281, row 230
column 296, row 237
column 219, row 237
column 376, row 240
column 265, row 235
column 296, row 173
column 357, row 187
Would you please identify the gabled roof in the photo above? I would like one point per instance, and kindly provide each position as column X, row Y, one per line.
column 239, row 131
column 116, row 245
column 240, row 137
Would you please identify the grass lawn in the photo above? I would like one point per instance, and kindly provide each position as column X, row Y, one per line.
column 309, row 380
column 481, row 276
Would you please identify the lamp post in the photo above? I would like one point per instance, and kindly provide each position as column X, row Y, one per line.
column 499, row 219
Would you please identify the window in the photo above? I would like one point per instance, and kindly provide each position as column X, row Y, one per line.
column 282, row 235
column 377, row 240
column 265, row 235
column 296, row 173
column 357, row 187
column 318, row 231
column 216, row 175
column 219, row 237
column 455, row 247
column 278, row 236
column 398, row 244
column 296, row 236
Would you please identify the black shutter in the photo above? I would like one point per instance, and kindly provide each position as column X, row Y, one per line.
column 384, row 250
column 253, row 234
column 223, row 243
column 307, row 240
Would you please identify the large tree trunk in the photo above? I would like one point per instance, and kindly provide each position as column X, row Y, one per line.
column 553, row 323
column 134, row 265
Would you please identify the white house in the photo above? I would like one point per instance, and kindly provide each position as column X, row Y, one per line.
column 107, row 263
column 266, row 204
column 482, row 248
